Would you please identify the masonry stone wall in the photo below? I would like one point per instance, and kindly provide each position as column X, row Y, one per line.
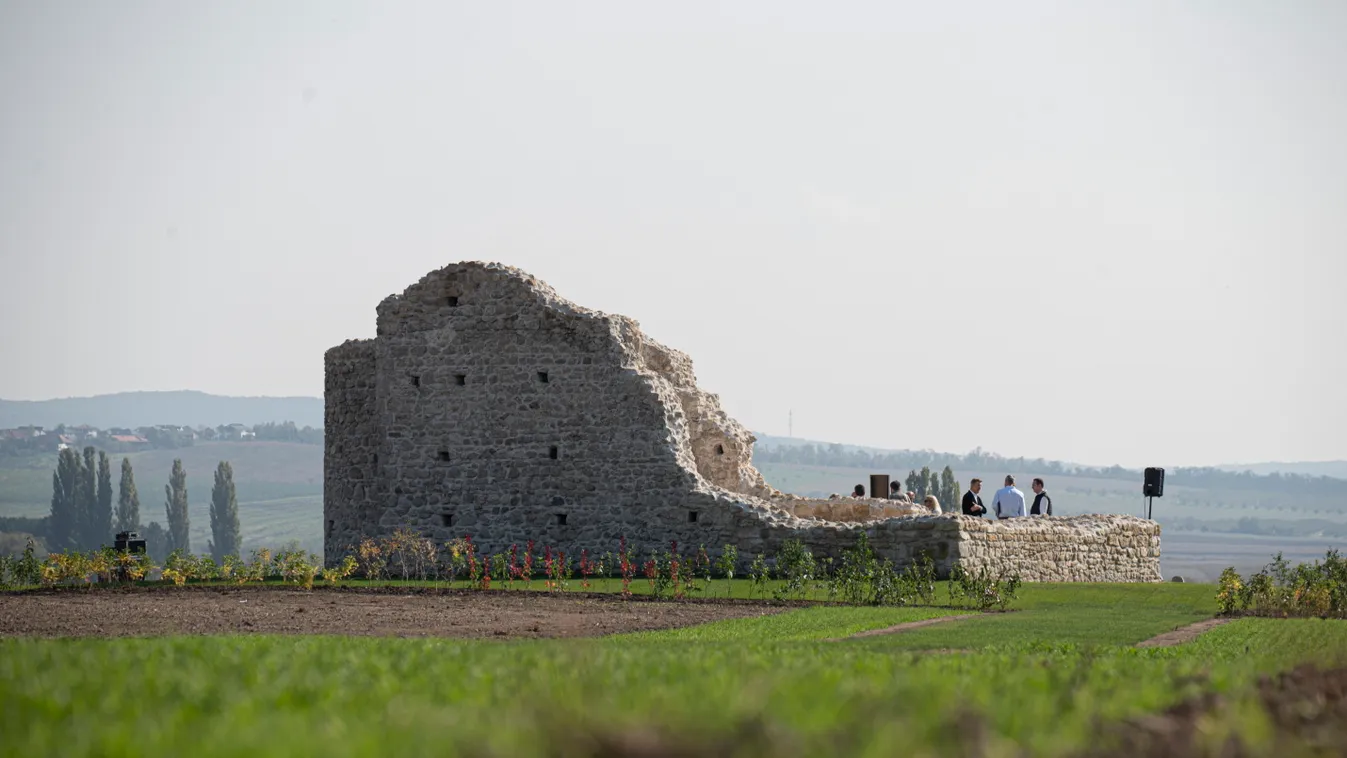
column 488, row 405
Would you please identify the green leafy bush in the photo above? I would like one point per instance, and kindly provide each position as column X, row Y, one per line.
column 795, row 564
column 1282, row 590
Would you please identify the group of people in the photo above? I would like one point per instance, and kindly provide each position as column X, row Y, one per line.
column 895, row 493
column 1008, row 501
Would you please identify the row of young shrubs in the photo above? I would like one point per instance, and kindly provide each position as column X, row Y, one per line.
column 859, row 578
column 112, row 567
column 1283, row 590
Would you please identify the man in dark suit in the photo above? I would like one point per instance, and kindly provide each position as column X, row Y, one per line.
column 1042, row 503
column 972, row 503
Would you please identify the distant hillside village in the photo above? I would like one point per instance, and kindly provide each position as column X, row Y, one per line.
column 29, row 440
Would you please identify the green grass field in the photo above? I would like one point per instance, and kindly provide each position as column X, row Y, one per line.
column 1047, row 679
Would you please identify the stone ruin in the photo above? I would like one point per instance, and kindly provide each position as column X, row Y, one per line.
column 488, row 405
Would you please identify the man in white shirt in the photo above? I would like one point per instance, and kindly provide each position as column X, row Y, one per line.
column 1009, row 502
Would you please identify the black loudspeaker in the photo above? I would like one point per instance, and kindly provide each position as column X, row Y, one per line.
column 879, row 485
column 1155, row 483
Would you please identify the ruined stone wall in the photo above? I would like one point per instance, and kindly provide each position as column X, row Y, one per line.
column 488, row 405
column 352, row 503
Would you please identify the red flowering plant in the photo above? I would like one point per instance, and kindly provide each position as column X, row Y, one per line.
column 559, row 571
column 527, row 569
column 485, row 583
column 586, row 569
column 652, row 571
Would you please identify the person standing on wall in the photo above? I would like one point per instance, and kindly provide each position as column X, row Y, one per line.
column 1042, row 503
column 1009, row 502
column 972, row 502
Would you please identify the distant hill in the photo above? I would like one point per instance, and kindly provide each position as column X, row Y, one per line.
column 1335, row 469
column 917, row 458
column 187, row 407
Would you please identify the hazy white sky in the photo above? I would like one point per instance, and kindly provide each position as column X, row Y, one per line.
column 1100, row 232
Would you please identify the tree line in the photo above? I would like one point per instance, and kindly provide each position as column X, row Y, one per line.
column 945, row 487
column 841, row 456
column 82, row 516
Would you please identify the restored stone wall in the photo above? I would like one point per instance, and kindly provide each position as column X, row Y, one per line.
column 1064, row 549
column 488, row 405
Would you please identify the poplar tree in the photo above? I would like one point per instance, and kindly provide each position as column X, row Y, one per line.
column 176, row 508
column 224, row 514
column 88, row 500
column 100, row 523
column 63, row 526
column 925, row 484
column 949, row 491
column 128, row 500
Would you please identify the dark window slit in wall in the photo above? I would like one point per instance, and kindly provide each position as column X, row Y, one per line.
column 720, row 449
column 442, row 456
column 553, row 452
column 542, row 377
column 561, row 519
column 692, row 517
column 460, row 379
column 416, row 380
column 376, row 459
column 452, row 301
column 446, row 519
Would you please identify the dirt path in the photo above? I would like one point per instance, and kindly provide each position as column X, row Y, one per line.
column 110, row 613
column 903, row 627
column 1182, row 634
